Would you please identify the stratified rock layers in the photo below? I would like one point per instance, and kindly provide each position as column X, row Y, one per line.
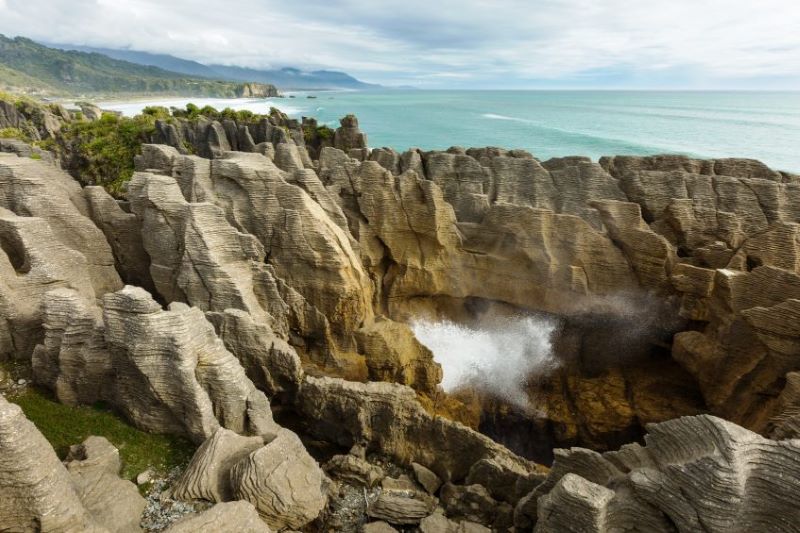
column 262, row 274
column 694, row 474
column 36, row 492
column 167, row 371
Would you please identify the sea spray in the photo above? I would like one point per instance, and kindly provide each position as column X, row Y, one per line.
column 499, row 357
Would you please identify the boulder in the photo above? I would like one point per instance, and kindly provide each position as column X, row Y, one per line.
column 469, row 502
column 354, row 470
column 402, row 507
column 114, row 503
column 282, row 481
column 207, row 477
column 429, row 481
column 574, row 505
column 439, row 523
column 378, row 527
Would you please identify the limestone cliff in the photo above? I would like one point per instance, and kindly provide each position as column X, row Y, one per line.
column 271, row 272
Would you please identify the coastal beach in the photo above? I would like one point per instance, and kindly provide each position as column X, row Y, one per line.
column 760, row 125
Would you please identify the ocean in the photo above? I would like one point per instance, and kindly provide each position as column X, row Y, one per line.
column 708, row 124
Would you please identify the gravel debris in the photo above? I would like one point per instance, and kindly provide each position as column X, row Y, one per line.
column 161, row 509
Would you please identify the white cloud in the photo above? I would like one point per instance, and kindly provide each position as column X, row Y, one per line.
column 504, row 41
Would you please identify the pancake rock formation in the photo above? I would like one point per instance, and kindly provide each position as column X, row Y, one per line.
column 255, row 289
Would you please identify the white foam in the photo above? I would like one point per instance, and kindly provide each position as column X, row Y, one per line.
column 256, row 105
column 506, row 117
column 500, row 358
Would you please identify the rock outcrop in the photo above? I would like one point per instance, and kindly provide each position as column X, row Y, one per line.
column 256, row 90
column 694, row 474
column 207, row 477
column 166, row 371
column 387, row 418
column 256, row 273
column 115, row 503
column 33, row 262
column 282, row 481
column 275, row 474
column 36, row 491
column 350, row 139
column 31, row 189
column 47, row 240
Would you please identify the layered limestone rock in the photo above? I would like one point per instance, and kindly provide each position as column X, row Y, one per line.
column 586, row 241
column 397, row 356
column 30, row 188
column 387, row 418
column 36, row 491
column 749, row 344
column 274, row 473
column 37, row 122
column 210, row 138
column 32, row 262
column 124, row 233
column 350, row 139
column 402, row 506
column 307, row 249
column 675, row 283
column 693, row 474
column 207, row 477
column 314, row 293
column 166, row 371
column 270, row 362
column 407, row 221
column 282, row 481
column 115, row 503
column 186, row 355
column 47, row 240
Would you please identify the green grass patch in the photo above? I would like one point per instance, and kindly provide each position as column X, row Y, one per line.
column 63, row 426
column 13, row 133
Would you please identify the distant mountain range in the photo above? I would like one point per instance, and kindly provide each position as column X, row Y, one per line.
column 285, row 78
column 27, row 65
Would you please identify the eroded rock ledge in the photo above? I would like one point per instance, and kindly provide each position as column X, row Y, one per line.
column 282, row 278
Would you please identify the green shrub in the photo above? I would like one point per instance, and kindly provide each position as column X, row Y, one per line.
column 321, row 132
column 325, row 133
column 243, row 115
column 158, row 112
column 105, row 148
column 13, row 133
column 45, row 144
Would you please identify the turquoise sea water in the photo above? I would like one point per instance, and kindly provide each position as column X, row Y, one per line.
column 760, row 125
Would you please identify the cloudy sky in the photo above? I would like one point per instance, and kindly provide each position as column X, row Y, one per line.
column 451, row 43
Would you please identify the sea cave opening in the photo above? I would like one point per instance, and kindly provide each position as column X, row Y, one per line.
column 540, row 381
